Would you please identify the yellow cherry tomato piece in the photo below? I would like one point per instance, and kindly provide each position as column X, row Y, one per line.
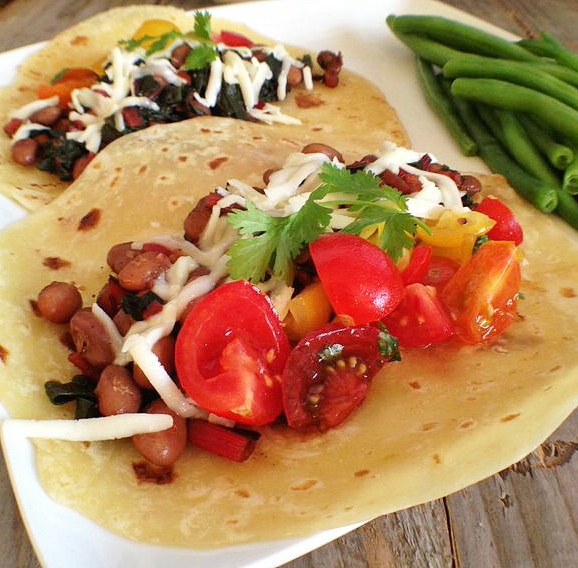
column 307, row 311
column 454, row 234
column 153, row 29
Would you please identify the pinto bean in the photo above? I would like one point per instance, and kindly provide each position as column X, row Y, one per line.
column 163, row 448
column 267, row 174
column 47, row 116
column 179, row 55
column 116, row 391
column 294, row 76
column 120, row 255
column 470, row 184
column 59, row 301
column 25, row 151
column 91, row 339
column 140, row 272
column 318, row 148
column 198, row 217
column 164, row 349
column 330, row 61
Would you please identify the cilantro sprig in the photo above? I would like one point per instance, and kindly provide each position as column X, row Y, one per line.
column 270, row 243
column 199, row 57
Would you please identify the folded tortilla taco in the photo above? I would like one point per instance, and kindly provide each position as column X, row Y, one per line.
column 131, row 67
column 441, row 418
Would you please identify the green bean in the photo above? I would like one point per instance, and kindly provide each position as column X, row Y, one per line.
column 570, row 179
column 543, row 196
column 548, row 46
column 519, row 72
column 501, row 94
column 443, row 107
column 559, row 155
column 513, row 137
column 560, row 72
column 428, row 49
column 567, row 208
column 459, row 36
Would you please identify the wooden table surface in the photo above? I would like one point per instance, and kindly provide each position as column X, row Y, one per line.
column 526, row 516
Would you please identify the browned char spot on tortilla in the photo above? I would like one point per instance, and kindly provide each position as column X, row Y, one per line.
column 510, row 417
column 55, row 262
column 90, row 220
column 304, row 485
column 308, row 100
column 361, row 473
column 214, row 164
column 568, row 292
column 80, row 40
column 4, row 354
column 148, row 473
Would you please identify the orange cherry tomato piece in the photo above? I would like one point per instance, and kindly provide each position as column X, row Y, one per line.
column 482, row 295
column 67, row 81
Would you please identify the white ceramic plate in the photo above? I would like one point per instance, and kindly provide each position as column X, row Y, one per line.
column 61, row 537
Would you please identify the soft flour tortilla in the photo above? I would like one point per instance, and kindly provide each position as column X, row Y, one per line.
column 437, row 421
column 355, row 106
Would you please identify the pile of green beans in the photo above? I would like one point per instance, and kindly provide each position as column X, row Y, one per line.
column 513, row 104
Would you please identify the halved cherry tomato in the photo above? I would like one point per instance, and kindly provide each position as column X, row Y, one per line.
column 328, row 374
column 482, row 295
column 67, row 81
column 418, row 266
column 233, row 39
column 420, row 319
column 507, row 227
column 360, row 280
column 230, row 353
column 440, row 271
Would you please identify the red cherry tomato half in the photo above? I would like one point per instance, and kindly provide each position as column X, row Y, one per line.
column 418, row 266
column 507, row 227
column 482, row 295
column 233, row 39
column 328, row 374
column 420, row 319
column 359, row 279
column 230, row 353
column 440, row 271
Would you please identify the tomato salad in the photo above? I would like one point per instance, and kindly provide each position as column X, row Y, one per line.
column 160, row 75
column 280, row 304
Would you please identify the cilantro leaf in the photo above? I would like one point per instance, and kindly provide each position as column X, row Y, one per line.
column 202, row 26
column 373, row 205
column 199, row 57
column 388, row 345
column 162, row 41
column 274, row 242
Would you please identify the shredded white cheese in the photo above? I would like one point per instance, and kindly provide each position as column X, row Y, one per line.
column 90, row 429
column 91, row 106
column 26, row 129
column 24, row 112
column 162, row 382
